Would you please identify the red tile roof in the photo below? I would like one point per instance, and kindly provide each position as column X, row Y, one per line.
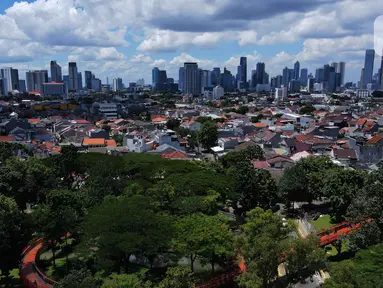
column 260, row 164
column 111, row 143
column 82, row 121
column 34, row 120
column 93, row 141
column 6, row 138
column 175, row 155
column 361, row 121
column 375, row 139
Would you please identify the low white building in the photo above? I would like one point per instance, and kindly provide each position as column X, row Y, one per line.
column 108, row 111
column 54, row 89
column 281, row 93
column 218, row 92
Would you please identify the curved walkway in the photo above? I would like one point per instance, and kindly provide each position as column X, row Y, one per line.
column 31, row 276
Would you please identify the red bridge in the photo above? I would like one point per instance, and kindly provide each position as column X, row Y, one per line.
column 333, row 233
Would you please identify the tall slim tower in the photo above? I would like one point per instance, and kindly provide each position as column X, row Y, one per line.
column 181, row 79
column 296, row 70
column 243, row 70
column 56, row 73
column 7, row 74
column 342, row 70
column 368, row 67
column 73, row 76
column 192, row 83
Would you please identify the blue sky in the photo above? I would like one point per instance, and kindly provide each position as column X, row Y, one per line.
column 127, row 38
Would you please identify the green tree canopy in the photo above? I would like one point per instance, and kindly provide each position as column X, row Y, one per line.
column 173, row 124
column 208, row 135
column 14, row 234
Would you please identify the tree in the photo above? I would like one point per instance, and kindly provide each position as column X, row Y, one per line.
column 78, row 279
column 252, row 152
column 304, row 258
column 122, row 281
column 14, row 234
column 262, row 244
column 307, row 110
column 177, row 277
column 208, row 135
column 125, row 226
column 242, row 110
column 255, row 119
column 343, row 275
column 204, row 119
column 208, row 237
column 341, row 186
column 66, row 165
column 25, row 181
column 61, row 214
column 173, row 124
column 368, row 235
column 107, row 128
column 303, row 182
column 255, row 186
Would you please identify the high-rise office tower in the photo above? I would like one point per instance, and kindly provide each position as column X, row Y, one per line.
column 15, row 79
column 205, row 79
column 79, row 79
column 181, row 78
column 162, row 81
column 319, row 75
column 368, row 67
column 303, row 77
column 192, row 79
column 56, row 73
column 36, row 79
column 117, row 84
column 6, row 73
column 336, row 66
column 260, row 73
column 332, row 80
column 155, row 77
column 326, row 69
column 279, row 81
column 285, row 79
column 361, row 83
column 243, row 70
column 22, row 86
column 296, row 70
column 226, row 79
column 73, row 76
column 215, row 76
column 88, row 79
column 342, row 70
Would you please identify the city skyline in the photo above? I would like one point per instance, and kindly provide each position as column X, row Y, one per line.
column 128, row 43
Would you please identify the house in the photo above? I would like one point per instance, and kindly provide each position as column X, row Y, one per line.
column 19, row 134
column 245, row 145
column 266, row 138
column 192, row 125
column 175, row 155
column 98, row 133
column 135, row 142
column 274, row 162
column 228, row 143
column 93, row 142
column 9, row 125
column 345, row 156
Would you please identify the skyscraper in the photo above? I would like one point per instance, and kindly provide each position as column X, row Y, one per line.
column 336, row 66
column 73, row 76
column 260, row 73
column 162, row 81
column 22, row 86
column 215, row 76
column 205, row 79
column 192, row 79
column 368, row 67
column 56, row 73
column 181, row 78
column 342, row 70
column 303, row 77
column 296, row 70
column 226, row 79
column 319, row 75
column 88, row 79
column 79, row 79
column 155, row 77
column 6, row 73
column 285, row 77
column 35, row 80
column 15, row 79
column 243, row 70
column 117, row 84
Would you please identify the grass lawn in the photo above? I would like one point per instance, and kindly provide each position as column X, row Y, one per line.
column 322, row 223
column 14, row 279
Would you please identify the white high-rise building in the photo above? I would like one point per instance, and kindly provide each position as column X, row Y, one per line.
column 6, row 73
column 73, row 76
column 117, row 84
column 281, row 93
column 141, row 82
column 218, row 92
